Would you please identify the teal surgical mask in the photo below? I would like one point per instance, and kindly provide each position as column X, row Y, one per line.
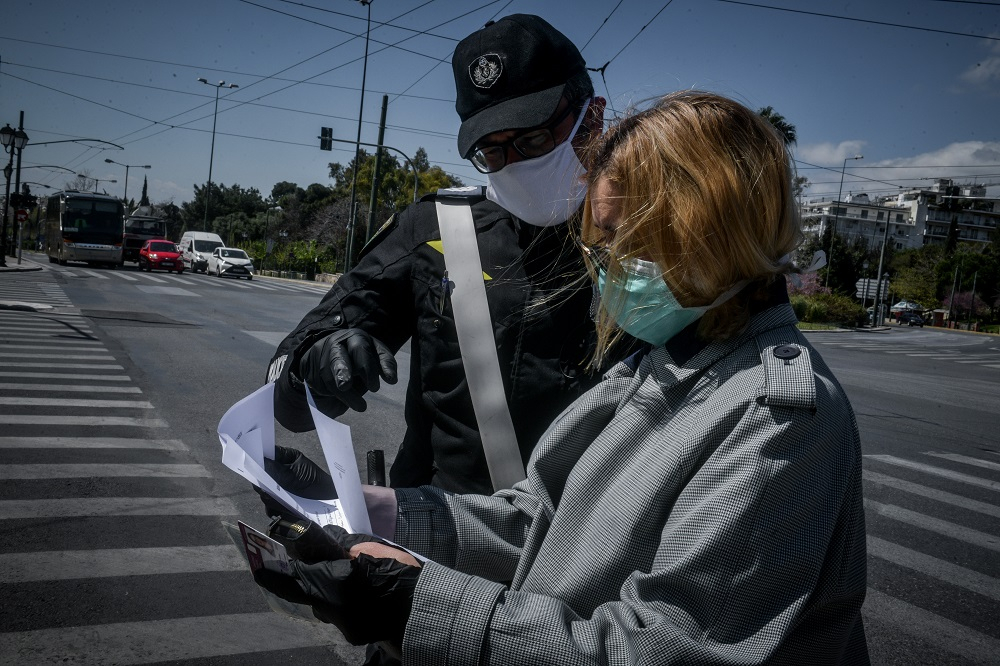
column 645, row 307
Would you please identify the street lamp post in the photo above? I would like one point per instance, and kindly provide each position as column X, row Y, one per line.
column 15, row 140
column 352, row 212
column 211, row 155
column 127, row 167
column 836, row 218
column 96, row 180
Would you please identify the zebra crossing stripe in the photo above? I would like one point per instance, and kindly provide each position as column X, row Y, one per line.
column 85, row 470
column 950, row 636
column 946, row 572
column 68, row 388
column 966, row 460
column 70, row 402
column 51, row 420
column 91, row 443
column 60, row 375
column 113, row 562
column 130, row 643
column 70, row 345
column 942, row 527
column 72, row 357
column 66, row 366
column 932, row 493
column 937, row 471
column 116, row 506
column 94, row 274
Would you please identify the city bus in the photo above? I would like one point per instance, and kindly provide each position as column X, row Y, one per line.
column 84, row 226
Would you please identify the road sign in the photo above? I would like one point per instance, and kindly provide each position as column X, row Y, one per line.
column 867, row 287
column 21, row 215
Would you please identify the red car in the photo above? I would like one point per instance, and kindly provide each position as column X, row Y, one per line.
column 160, row 253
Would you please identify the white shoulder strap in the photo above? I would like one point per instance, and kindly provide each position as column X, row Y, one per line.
column 476, row 340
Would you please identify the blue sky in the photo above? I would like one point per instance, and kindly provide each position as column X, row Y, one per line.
column 918, row 102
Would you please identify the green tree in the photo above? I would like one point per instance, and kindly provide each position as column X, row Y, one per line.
column 144, row 201
column 778, row 122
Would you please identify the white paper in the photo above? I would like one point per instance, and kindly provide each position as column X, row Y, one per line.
column 252, row 414
column 335, row 438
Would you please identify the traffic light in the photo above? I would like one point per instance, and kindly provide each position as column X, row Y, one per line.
column 326, row 138
column 25, row 201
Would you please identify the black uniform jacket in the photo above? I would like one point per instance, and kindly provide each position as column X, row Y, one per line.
column 539, row 299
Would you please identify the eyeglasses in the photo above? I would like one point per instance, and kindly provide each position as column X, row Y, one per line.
column 534, row 143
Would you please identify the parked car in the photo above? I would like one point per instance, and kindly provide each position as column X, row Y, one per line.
column 230, row 261
column 161, row 254
column 911, row 319
column 196, row 247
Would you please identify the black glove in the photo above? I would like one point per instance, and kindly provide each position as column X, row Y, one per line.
column 368, row 599
column 308, row 542
column 299, row 475
column 347, row 364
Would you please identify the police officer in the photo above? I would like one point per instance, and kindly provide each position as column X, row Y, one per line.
column 527, row 107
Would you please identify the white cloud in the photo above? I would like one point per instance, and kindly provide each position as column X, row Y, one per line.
column 829, row 154
column 965, row 162
column 983, row 73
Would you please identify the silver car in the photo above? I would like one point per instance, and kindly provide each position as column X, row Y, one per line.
column 230, row 261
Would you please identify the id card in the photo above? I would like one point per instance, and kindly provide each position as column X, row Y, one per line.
column 264, row 552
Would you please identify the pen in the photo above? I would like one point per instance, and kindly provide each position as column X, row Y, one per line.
column 444, row 293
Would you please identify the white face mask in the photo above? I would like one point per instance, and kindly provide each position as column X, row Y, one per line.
column 543, row 191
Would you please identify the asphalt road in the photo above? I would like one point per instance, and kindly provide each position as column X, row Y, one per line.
column 113, row 490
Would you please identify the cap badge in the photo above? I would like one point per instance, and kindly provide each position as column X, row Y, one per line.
column 486, row 69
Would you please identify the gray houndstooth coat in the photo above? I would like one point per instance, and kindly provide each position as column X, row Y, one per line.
column 707, row 512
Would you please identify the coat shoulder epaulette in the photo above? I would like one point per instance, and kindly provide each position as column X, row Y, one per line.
column 788, row 371
column 472, row 193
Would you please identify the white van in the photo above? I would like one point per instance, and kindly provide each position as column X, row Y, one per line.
column 196, row 247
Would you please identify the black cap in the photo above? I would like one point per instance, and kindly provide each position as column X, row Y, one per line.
column 509, row 75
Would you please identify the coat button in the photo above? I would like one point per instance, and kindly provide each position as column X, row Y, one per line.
column 786, row 352
column 436, row 323
column 336, row 320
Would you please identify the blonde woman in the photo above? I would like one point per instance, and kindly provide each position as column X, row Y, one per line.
column 703, row 503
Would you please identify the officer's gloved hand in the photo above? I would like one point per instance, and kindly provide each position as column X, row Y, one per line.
column 347, row 364
column 299, row 475
column 369, row 599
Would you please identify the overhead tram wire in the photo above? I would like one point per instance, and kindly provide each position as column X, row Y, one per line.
column 873, row 180
column 606, row 19
column 603, row 68
column 860, row 20
column 436, row 65
column 212, row 69
column 238, row 104
column 379, row 23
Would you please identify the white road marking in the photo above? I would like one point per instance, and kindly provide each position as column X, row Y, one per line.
column 60, row 375
column 932, row 493
column 937, row 471
column 925, row 625
column 942, row 527
column 935, row 568
column 70, row 388
column 66, row 366
column 116, row 506
column 73, row 402
column 966, row 460
column 91, row 443
column 97, row 471
column 131, row 643
column 41, row 419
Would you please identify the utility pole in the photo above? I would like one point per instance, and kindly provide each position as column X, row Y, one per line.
column 878, row 288
column 373, row 201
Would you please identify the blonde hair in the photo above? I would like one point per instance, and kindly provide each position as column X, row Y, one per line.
column 704, row 190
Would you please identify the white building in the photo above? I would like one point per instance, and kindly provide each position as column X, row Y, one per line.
column 916, row 217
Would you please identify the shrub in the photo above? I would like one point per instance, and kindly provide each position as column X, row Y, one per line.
column 828, row 308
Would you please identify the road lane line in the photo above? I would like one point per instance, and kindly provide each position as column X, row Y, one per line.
column 123, row 276
column 946, row 572
column 116, row 506
column 98, row 471
column 186, row 638
column 152, row 278
column 18, row 401
column 91, row 443
column 94, row 274
column 936, row 525
column 34, row 328
column 937, row 471
column 114, row 562
column 70, row 388
column 927, row 626
column 48, row 420
column 965, row 460
column 932, row 493
column 77, row 345
column 61, row 375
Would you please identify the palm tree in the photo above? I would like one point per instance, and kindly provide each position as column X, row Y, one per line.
column 778, row 122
